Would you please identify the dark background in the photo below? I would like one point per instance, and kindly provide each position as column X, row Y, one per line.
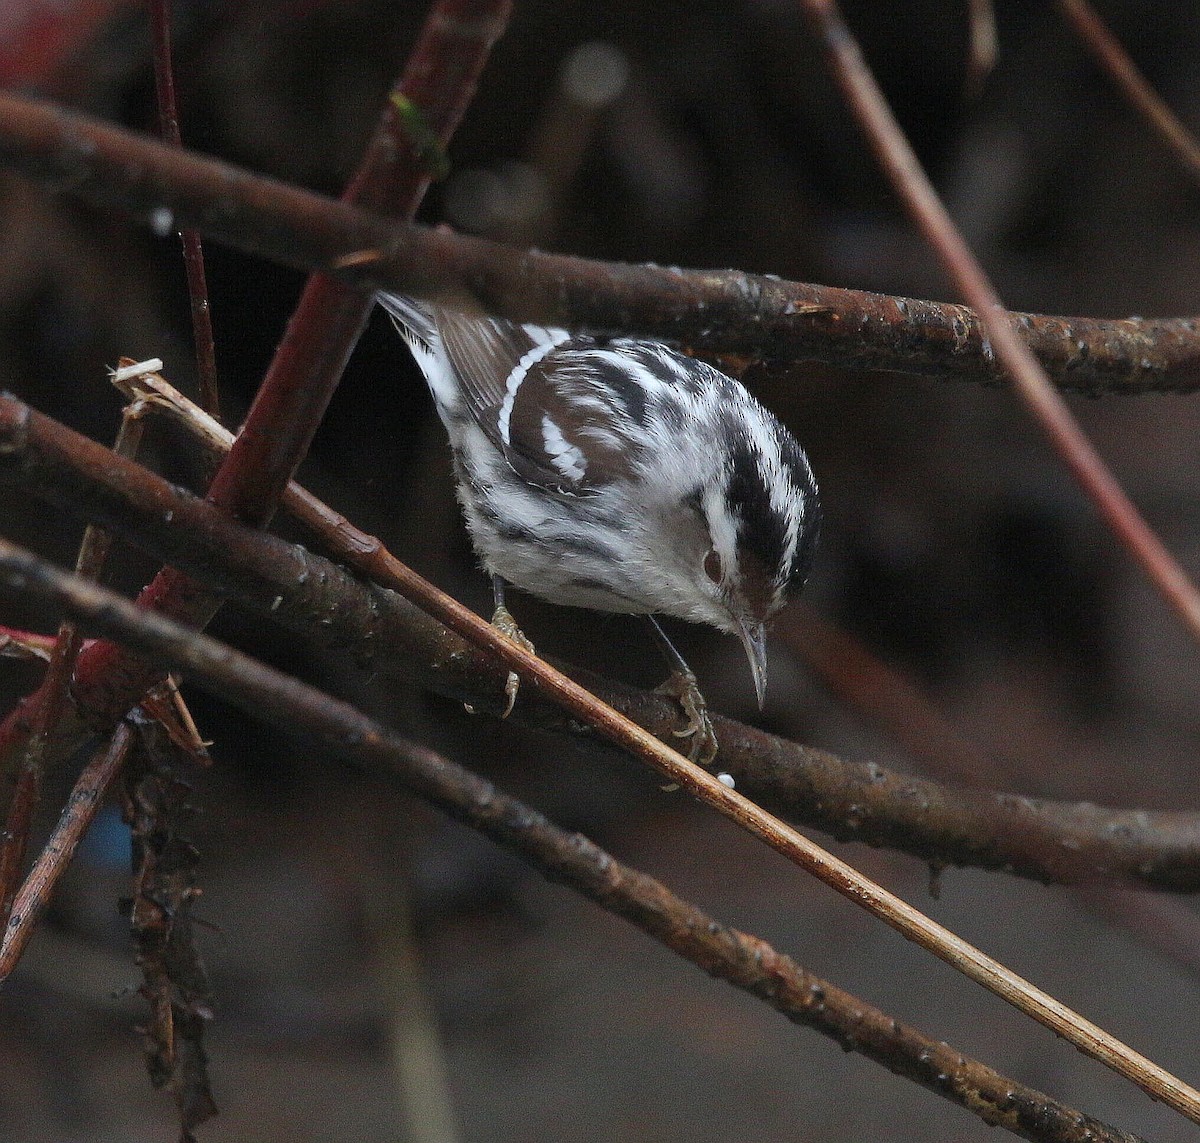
column 955, row 547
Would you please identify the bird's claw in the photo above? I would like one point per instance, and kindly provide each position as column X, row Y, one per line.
column 682, row 687
column 503, row 621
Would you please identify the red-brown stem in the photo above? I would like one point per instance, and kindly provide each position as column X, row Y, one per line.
column 1115, row 61
column 193, row 248
column 439, row 79
column 46, row 705
column 78, row 814
column 33, row 640
column 1047, row 406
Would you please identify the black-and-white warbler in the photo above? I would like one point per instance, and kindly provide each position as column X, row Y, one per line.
column 621, row 476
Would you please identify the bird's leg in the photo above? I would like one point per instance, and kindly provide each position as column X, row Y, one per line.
column 503, row 621
column 682, row 687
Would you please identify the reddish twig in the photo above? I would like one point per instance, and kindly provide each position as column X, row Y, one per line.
column 25, row 644
column 1048, row 408
column 744, row 961
column 1115, row 62
column 438, row 83
column 294, row 395
column 193, row 249
column 722, row 310
column 80, row 811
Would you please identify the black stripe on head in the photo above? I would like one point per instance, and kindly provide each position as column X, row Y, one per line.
column 763, row 536
column 805, row 485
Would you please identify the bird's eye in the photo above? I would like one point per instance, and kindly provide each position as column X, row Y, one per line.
column 712, row 565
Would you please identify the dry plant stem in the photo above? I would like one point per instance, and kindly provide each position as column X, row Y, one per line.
column 1044, row 840
column 345, row 732
column 910, row 922
column 193, row 250
column 721, row 310
column 910, row 182
column 1115, row 61
column 80, row 811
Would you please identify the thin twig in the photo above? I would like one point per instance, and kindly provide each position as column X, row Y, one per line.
column 1115, row 62
column 1045, row 840
column 193, row 249
column 80, row 811
column 25, row 644
column 289, row 406
column 1048, row 408
column 730, row 311
column 300, row 709
column 437, row 85
column 454, row 44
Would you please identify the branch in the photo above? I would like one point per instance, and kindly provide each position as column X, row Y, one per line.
column 304, row 374
column 740, row 959
column 1047, row 407
column 1044, row 840
column 77, row 815
column 755, row 315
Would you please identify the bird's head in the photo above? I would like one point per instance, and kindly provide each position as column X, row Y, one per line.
column 759, row 519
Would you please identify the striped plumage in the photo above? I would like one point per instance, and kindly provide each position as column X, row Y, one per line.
column 616, row 474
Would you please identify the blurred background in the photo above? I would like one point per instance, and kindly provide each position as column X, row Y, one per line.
column 381, row 973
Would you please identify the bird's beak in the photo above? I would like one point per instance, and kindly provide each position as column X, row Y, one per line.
column 754, row 639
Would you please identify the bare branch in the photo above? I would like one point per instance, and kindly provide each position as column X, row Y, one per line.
column 78, row 814
column 721, row 310
column 799, row 849
column 1044, row 840
column 743, row 960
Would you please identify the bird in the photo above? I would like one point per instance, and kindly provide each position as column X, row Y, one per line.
column 618, row 475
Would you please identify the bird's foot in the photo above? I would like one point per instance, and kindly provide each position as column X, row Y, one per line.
column 503, row 621
column 681, row 686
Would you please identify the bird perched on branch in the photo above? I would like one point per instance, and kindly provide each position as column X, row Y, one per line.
column 621, row 476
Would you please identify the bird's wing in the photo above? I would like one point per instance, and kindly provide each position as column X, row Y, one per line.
column 552, row 403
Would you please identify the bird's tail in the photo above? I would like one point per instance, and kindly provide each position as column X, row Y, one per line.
column 413, row 320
